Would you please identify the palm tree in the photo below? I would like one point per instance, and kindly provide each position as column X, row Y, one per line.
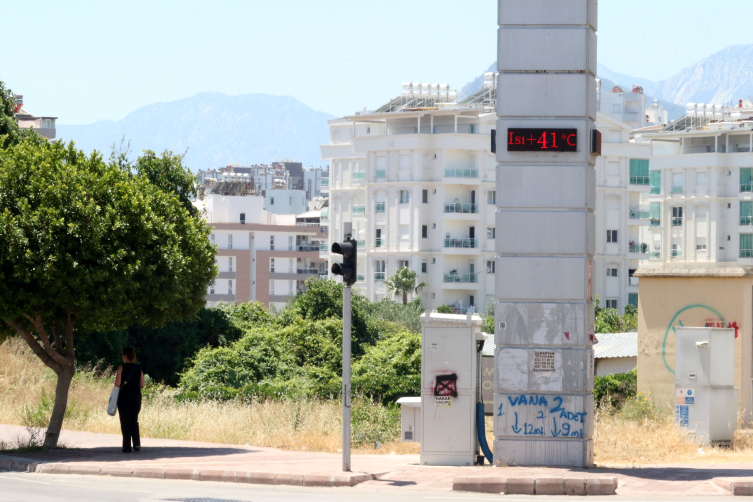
column 402, row 282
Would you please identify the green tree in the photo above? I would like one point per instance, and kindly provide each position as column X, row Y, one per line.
column 403, row 282
column 608, row 320
column 84, row 247
column 10, row 133
column 391, row 369
column 168, row 173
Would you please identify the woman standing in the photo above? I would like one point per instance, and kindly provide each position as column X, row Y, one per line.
column 130, row 379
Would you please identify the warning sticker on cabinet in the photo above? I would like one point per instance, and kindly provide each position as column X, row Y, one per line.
column 681, row 415
column 443, row 400
column 543, row 361
column 685, row 396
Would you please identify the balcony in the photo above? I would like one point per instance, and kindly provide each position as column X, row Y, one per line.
column 654, row 190
column 361, row 244
column 655, row 222
column 324, row 215
column 360, row 278
column 359, row 176
column 746, row 220
column 381, row 174
column 746, row 253
column 324, row 182
column 457, row 207
column 379, row 207
column 309, row 248
column 638, row 214
column 460, row 243
column 359, row 210
column 638, row 248
column 677, row 221
column 746, row 187
column 461, row 173
column 655, row 255
column 378, row 276
column 639, row 180
column 676, row 190
column 323, row 248
column 464, row 278
column 677, row 253
column 378, row 243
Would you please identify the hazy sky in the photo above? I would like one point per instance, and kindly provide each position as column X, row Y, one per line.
column 85, row 61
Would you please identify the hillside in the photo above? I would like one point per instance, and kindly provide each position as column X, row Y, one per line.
column 216, row 128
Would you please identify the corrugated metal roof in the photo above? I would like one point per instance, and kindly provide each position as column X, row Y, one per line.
column 616, row 345
column 488, row 349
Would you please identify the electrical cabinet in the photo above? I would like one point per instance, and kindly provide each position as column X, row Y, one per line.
column 705, row 396
column 410, row 419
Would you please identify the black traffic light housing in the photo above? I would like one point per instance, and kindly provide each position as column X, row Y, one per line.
column 349, row 266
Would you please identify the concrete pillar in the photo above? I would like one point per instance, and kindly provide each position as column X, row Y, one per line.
column 544, row 322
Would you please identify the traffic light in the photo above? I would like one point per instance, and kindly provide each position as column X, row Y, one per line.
column 349, row 267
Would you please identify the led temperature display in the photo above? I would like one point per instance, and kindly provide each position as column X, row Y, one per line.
column 542, row 140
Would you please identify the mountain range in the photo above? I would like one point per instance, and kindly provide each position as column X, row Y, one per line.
column 218, row 129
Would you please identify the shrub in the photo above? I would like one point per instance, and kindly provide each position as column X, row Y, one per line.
column 391, row 369
column 444, row 309
column 640, row 407
column 615, row 389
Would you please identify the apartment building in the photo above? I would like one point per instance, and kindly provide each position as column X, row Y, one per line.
column 700, row 268
column 45, row 126
column 261, row 256
column 416, row 180
column 626, row 106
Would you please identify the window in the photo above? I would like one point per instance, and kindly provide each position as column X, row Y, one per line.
column 230, row 264
column 424, row 231
column 700, row 247
column 746, row 212
column 633, row 299
column 211, row 288
column 491, row 232
column 611, row 272
column 272, row 201
column 291, row 269
column 676, row 251
column 271, row 242
column 639, row 172
column 491, row 197
column 379, row 270
column 230, row 241
column 243, row 218
column 654, row 213
column 425, row 196
column 379, row 207
column 745, row 179
column 401, row 264
column 211, row 238
column 290, row 288
column 491, row 266
column 230, row 287
column 404, row 196
column 677, row 216
column 678, row 181
column 290, row 243
column 611, row 235
column 746, row 245
column 655, row 181
column 272, row 265
column 271, row 288
column 611, row 303
column 378, row 239
column 424, row 267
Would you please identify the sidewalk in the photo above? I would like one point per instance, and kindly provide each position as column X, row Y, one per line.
column 164, row 458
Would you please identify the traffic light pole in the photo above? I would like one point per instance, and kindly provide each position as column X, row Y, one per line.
column 346, row 378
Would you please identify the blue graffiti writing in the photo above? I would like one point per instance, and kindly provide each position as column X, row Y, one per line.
column 530, row 400
column 540, row 415
column 515, row 427
column 500, row 411
column 565, row 430
column 576, row 417
column 557, row 408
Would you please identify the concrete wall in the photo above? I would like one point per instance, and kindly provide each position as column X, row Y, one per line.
column 611, row 365
column 666, row 302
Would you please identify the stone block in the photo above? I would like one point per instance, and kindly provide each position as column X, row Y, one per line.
column 89, row 470
column 575, row 486
column 119, row 471
column 179, row 473
column 257, row 478
column 549, row 486
column 149, row 472
column 521, row 486
column 480, row 484
column 601, row 486
column 218, row 475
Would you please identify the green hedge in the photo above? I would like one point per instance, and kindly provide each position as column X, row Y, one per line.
column 615, row 389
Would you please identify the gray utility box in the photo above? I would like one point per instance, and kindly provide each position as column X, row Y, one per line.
column 448, row 388
column 410, row 419
column 705, row 396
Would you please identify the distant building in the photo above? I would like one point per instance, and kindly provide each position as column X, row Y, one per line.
column 615, row 353
column 45, row 126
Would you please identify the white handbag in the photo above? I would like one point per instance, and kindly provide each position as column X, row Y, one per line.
column 112, row 406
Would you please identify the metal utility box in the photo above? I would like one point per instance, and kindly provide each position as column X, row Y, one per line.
column 705, row 396
column 448, row 388
column 410, row 419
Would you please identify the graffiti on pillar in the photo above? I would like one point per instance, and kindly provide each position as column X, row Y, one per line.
column 446, row 385
column 715, row 322
column 542, row 415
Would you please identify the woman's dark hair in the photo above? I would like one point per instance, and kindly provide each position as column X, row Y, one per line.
column 130, row 354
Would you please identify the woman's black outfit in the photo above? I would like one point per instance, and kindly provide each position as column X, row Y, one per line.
column 129, row 405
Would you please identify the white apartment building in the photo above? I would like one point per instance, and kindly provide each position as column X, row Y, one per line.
column 416, row 179
column 628, row 107
column 622, row 213
column 701, row 194
column 261, row 256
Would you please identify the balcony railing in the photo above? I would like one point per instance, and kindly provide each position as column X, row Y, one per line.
column 654, row 191
column 638, row 248
column 461, row 278
column 359, row 209
column 746, row 220
column 457, row 207
column 461, row 173
column 324, row 215
column 655, row 222
column 746, row 253
column 638, row 214
column 676, row 189
column 378, row 243
column 460, row 243
column 639, row 180
column 676, row 253
column 360, row 278
column 381, row 174
column 308, row 271
column 323, row 248
column 655, row 255
column 324, row 182
column 746, row 187
column 361, row 244
column 308, row 248
column 378, row 276
column 379, row 207
column 359, row 176
column 306, row 224
column 677, row 221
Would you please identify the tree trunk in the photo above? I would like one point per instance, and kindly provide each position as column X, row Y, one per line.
column 65, row 376
column 405, row 298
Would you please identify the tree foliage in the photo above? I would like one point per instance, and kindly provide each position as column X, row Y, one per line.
column 610, row 321
column 85, row 247
column 403, row 282
column 616, row 388
column 391, row 369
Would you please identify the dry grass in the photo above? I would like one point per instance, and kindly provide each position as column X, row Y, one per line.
column 309, row 424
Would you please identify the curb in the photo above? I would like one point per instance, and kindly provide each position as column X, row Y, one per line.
column 251, row 477
column 536, row 486
column 735, row 486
